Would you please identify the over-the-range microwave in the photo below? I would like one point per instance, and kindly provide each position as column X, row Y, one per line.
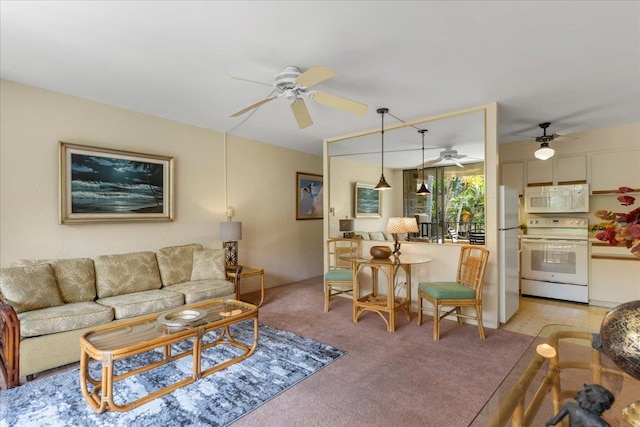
column 557, row 199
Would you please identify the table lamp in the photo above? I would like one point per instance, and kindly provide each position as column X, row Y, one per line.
column 397, row 225
column 230, row 233
column 346, row 226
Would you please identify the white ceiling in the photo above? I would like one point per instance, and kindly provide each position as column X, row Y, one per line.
column 575, row 64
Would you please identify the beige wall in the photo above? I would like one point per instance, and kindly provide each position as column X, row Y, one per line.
column 261, row 182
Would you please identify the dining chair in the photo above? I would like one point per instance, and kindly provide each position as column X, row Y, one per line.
column 448, row 298
column 339, row 277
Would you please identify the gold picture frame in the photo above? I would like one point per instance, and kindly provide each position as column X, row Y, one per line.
column 105, row 185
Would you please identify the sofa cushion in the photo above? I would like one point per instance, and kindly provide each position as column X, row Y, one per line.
column 208, row 264
column 139, row 303
column 126, row 273
column 200, row 290
column 67, row 317
column 29, row 288
column 75, row 277
column 388, row 236
column 376, row 235
column 364, row 235
column 176, row 262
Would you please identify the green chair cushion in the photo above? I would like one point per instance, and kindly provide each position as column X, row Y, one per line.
column 339, row 274
column 447, row 290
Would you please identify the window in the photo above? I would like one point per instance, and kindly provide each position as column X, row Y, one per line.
column 454, row 209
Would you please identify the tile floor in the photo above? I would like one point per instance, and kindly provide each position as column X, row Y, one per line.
column 535, row 313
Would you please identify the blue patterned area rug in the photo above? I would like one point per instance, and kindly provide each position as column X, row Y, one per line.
column 281, row 360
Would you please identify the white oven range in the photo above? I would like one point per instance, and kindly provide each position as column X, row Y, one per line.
column 555, row 259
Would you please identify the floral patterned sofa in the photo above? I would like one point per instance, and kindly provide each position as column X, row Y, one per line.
column 46, row 305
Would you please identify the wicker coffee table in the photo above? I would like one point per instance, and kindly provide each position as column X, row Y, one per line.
column 111, row 343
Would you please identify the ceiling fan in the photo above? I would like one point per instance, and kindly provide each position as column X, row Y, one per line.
column 293, row 85
column 448, row 154
column 545, row 152
column 544, row 138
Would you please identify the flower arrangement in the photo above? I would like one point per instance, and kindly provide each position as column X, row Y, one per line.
column 621, row 228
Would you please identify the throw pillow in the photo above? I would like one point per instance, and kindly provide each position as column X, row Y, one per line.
column 361, row 235
column 208, row 264
column 29, row 288
column 376, row 235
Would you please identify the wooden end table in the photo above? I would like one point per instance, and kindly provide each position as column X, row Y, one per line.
column 246, row 271
column 111, row 343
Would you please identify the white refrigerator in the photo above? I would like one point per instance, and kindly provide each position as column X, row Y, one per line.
column 508, row 252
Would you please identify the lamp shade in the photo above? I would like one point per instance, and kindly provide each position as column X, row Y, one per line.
column 230, row 231
column 544, row 152
column 346, row 225
column 423, row 190
column 399, row 225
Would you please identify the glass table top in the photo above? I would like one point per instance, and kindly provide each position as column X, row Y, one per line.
column 577, row 366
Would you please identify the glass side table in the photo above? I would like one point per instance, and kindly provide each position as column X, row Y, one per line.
column 540, row 382
column 246, row 271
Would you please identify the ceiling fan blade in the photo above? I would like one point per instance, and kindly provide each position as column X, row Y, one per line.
column 457, row 163
column 314, row 75
column 339, row 102
column 431, row 162
column 301, row 113
column 247, row 80
column 252, row 106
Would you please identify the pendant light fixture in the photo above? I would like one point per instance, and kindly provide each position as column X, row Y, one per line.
column 383, row 184
column 544, row 152
column 423, row 190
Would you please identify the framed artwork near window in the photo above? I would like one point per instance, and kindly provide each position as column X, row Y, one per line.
column 308, row 196
column 104, row 185
column 367, row 201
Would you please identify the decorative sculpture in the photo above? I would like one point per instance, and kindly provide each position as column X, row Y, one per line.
column 619, row 337
column 592, row 400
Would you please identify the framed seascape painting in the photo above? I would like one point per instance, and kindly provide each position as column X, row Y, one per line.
column 308, row 196
column 104, row 185
column 367, row 201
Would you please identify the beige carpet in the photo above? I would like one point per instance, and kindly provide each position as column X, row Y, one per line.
column 402, row 378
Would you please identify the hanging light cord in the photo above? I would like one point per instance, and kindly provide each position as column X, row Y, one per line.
column 382, row 133
column 422, row 131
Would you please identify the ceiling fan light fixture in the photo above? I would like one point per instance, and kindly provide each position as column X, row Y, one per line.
column 544, row 152
column 383, row 184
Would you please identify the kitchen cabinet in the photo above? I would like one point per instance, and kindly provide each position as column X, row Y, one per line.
column 614, row 275
column 512, row 175
column 614, row 169
column 557, row 171
column 571, row 170
column 539, row 172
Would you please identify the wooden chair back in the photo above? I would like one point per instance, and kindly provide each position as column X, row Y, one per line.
column 339, row 248
column 471, row 267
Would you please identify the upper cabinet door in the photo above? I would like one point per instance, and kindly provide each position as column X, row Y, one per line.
column 614, row 169
column 539, row 172
column 571, row 170
column 513, row 176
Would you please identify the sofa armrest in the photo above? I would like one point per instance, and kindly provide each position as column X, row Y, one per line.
column 9, row 345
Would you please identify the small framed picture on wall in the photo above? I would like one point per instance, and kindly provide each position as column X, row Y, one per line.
column 308, row 196
column 367, row 201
